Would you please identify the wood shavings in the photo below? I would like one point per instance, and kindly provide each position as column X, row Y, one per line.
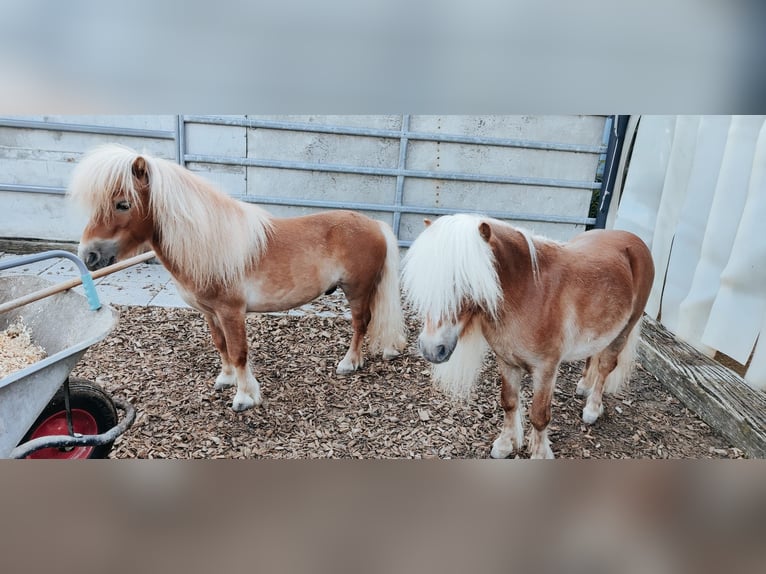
column 388, row 409
column 16, row 349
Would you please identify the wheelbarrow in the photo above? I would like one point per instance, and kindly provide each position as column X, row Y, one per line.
column 44, row 413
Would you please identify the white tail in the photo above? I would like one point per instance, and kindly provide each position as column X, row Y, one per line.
column 386, row 328
column 625, row 361
column 459, row 374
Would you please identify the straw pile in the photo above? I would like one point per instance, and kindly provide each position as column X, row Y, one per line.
column 17, row 349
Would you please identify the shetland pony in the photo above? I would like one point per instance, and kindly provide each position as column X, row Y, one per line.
column 479, row 283
column 228, row 257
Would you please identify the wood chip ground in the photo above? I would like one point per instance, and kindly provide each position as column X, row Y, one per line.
column 163, row 362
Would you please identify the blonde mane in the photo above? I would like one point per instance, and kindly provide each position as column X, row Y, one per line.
column 437, row 286
column 211, row 237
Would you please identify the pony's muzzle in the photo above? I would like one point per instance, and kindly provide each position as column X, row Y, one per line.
column 98, row 254
column 438, row 352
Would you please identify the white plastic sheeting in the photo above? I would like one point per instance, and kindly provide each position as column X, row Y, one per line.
column 696, row 193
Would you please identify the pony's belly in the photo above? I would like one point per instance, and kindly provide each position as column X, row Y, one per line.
column 264, row 300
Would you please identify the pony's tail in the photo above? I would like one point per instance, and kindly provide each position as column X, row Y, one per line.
column 459, row 374
column 387, row 329
column 617, row 379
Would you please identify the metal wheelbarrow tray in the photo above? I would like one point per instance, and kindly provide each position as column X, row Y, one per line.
column 65, row 326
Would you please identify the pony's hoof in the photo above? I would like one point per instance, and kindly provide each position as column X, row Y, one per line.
column 242, row 402
column 346, row 367
column 500, row 452
column 505, row 447
column 546, row 454
column 590, row 415
column 224, row 381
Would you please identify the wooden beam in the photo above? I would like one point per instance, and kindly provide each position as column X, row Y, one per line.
column 24, row 246
column 716, row 394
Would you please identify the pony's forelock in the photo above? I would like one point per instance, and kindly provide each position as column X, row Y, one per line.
column 101, row 174
column 448, row 265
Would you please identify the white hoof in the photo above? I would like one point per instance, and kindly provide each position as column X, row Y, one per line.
column 501, row 450
column 546, row 454
column 243, row 401
column 224, row 380
column 347, row 366
column 582, row 390
column 590, row 414
column 540, row 445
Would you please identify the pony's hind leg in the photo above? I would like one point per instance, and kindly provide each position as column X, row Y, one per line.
column 614, row 365
column 511, row 438
column 226, row 377
column 360, row 319
column 588, row 378
column 605, row 362
column 232, row 322
column 544, row 380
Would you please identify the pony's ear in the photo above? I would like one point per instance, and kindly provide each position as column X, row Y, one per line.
column 139, row 170
column 426, row 221
column 485, row 231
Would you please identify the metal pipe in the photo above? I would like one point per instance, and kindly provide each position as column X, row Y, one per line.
column 393, row 172
column 6, row 122
column 614, row 149
column 413, row 209
column 383, row 133
column 52, row 190
column 63, row 441
column 181, row 140
column 400, row 178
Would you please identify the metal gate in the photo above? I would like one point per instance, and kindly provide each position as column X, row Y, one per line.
column 399, row 169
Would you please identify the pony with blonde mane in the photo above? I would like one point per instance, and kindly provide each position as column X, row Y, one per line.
column 228, row 257
column 479, row 283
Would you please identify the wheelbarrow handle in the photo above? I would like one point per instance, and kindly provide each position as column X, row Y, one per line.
column 53, row 289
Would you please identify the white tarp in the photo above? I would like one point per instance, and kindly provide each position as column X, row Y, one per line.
column 696, row 193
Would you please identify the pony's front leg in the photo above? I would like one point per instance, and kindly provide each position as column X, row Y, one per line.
column 226, row 377
column 232, row 323
column 511, row 438
column 544, row 380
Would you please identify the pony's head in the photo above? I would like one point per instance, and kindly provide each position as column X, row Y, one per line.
column 449, row 278
column 194, row 227
column 112, row 182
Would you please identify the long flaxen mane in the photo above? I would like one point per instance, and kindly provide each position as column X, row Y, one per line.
column 448, row 264
column 209, row 236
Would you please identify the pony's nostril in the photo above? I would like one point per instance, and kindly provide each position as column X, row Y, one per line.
column 441, row 350
column 92, row 258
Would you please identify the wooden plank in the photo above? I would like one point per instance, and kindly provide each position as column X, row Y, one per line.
column 716, row 394
column 25, row 246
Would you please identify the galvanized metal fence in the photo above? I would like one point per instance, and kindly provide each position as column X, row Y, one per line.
column 400, row 173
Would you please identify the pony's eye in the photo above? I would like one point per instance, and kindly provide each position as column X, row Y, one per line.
column 122, row 206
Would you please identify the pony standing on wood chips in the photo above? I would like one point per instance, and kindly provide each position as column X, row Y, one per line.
column 480, row 283
column 229, row 257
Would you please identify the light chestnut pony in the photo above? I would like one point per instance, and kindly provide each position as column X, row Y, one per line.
column 229, row 257
column 479, row 283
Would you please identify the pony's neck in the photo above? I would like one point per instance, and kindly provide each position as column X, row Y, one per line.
column 519, row 267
